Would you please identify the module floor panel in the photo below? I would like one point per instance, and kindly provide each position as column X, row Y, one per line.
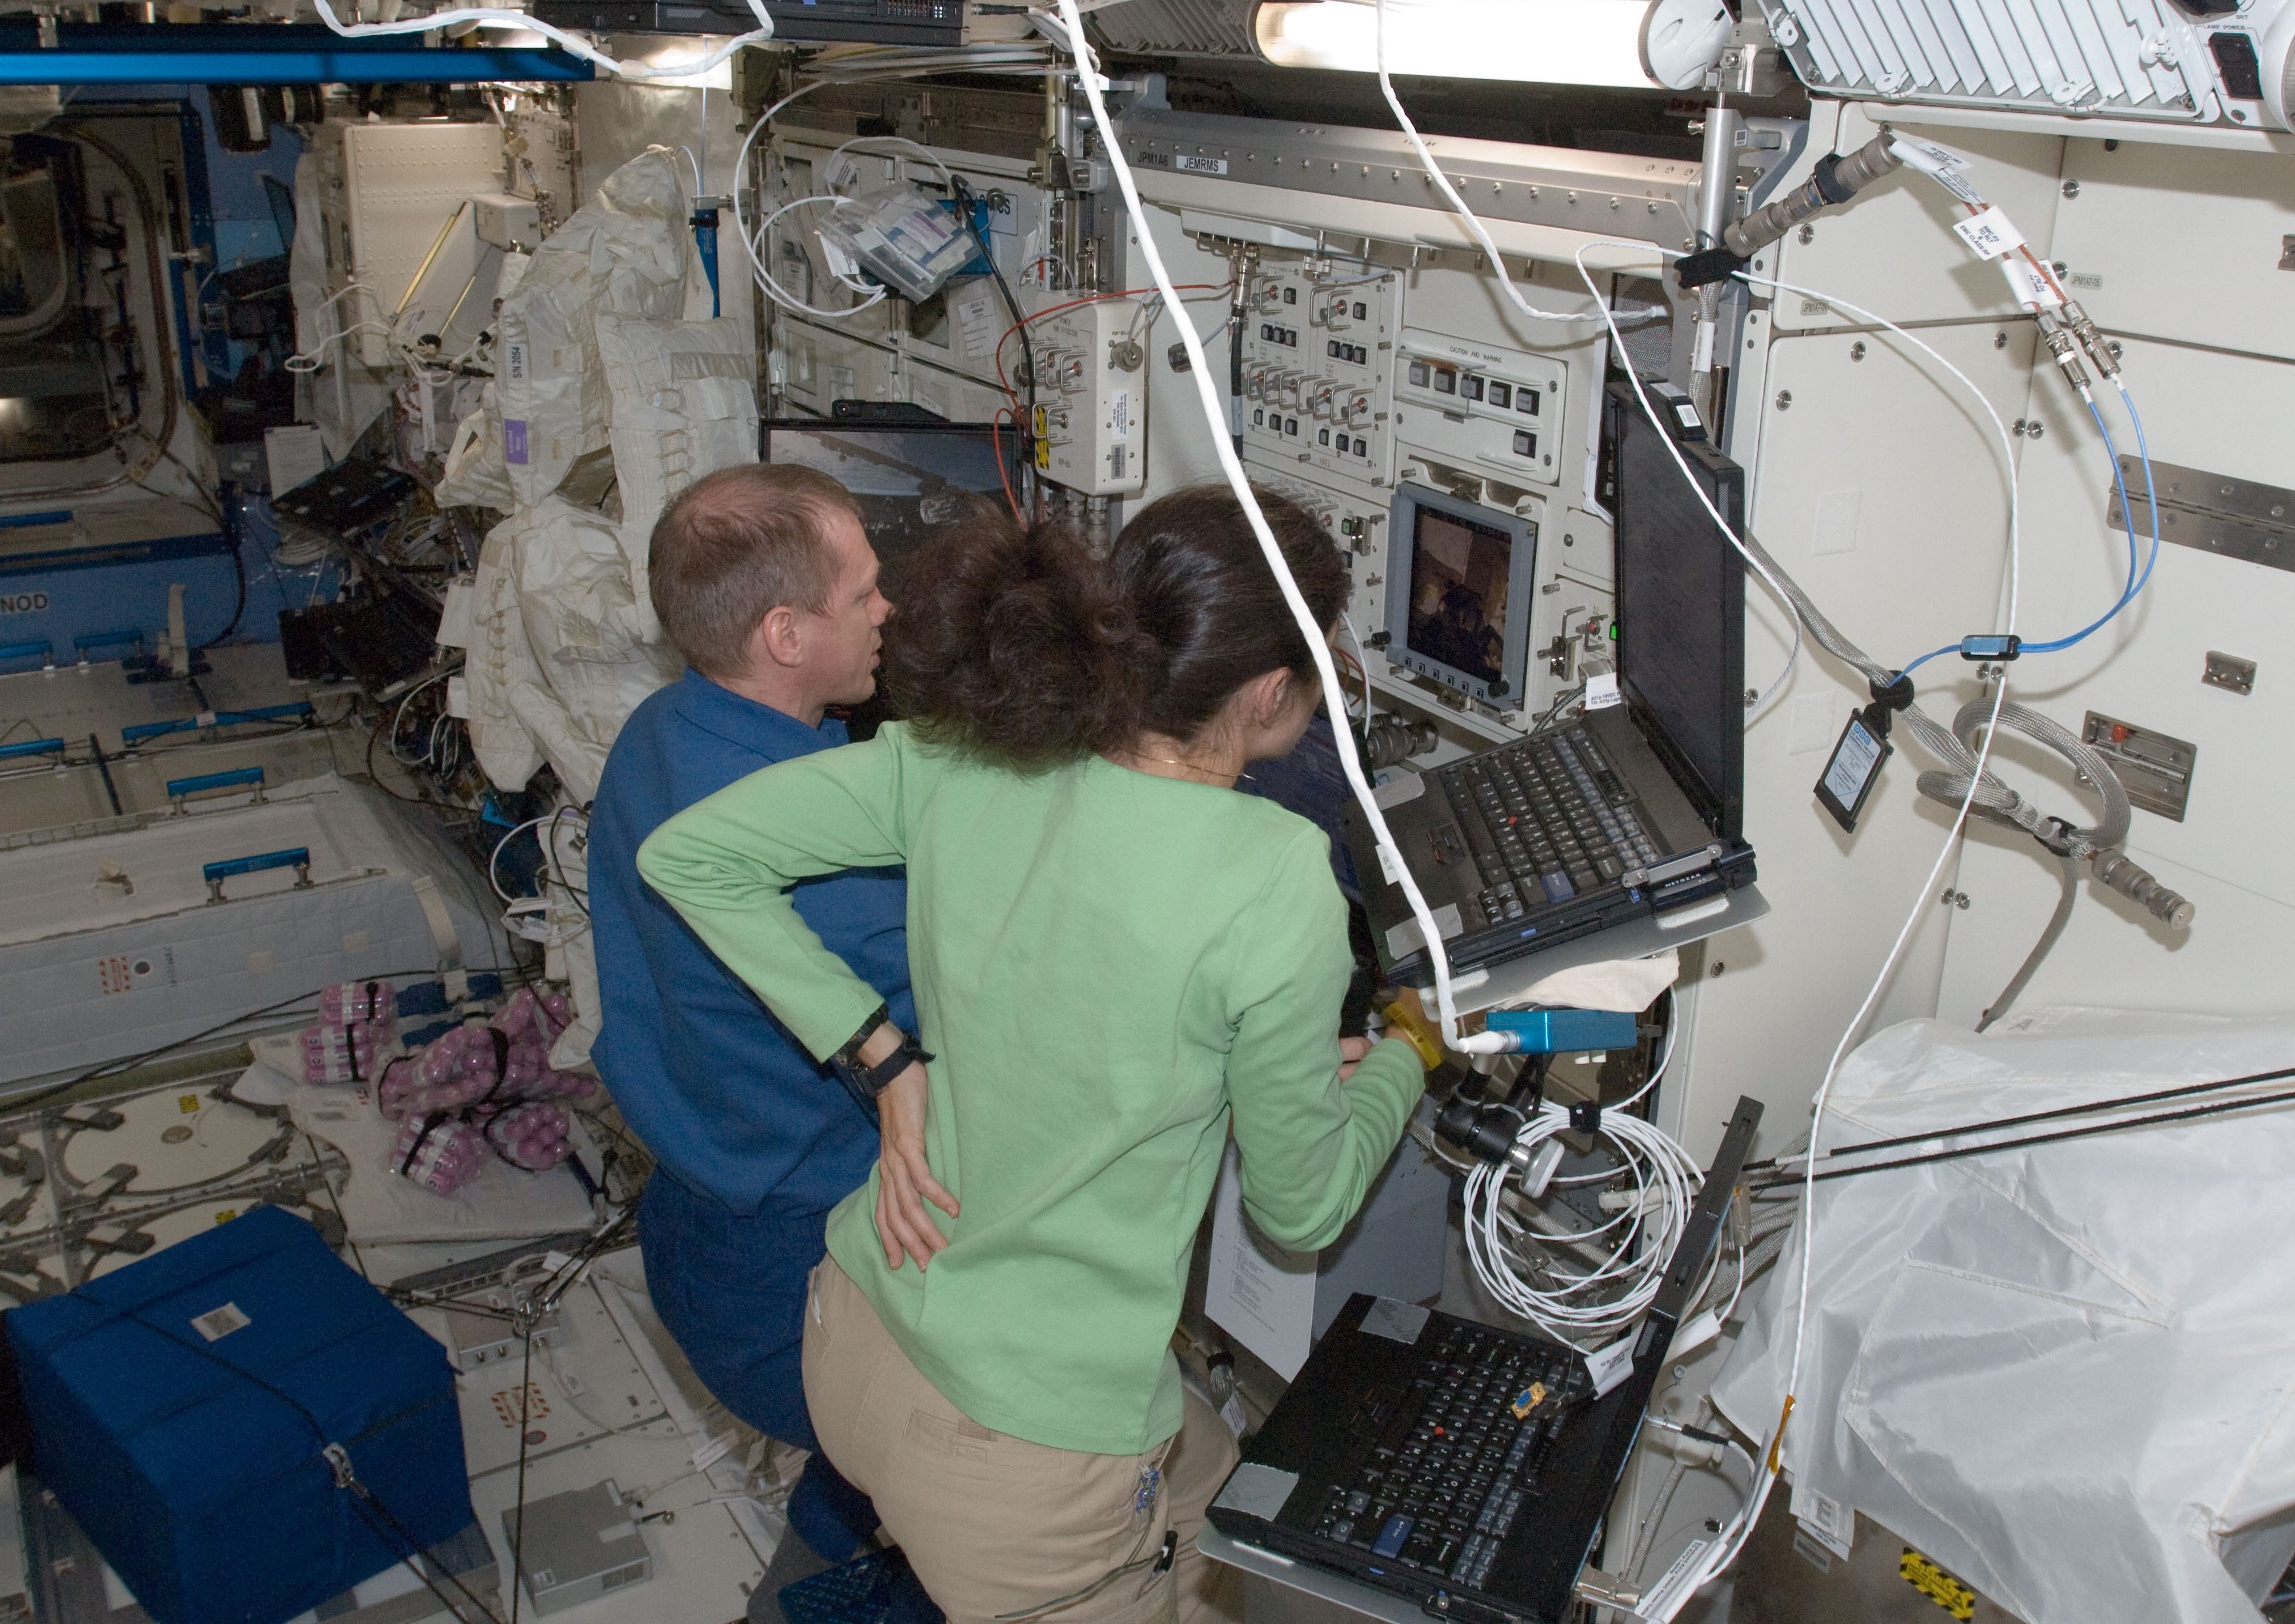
column 595, row 1405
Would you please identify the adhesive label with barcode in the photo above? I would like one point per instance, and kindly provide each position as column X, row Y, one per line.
column 1989, row 234
column 218, row 1323
column 1826, row 1519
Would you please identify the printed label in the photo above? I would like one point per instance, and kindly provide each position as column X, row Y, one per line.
column 2030, row 289
column 1989, row 234
column 23, row 603
column 1199, row 166
column 1602, row 691
column 218, row 1323
column 514, row 361
column 1118, row 415
column 1665, row 1598
column 1612, row 1364
column 1828, row 1522
column 514, row 441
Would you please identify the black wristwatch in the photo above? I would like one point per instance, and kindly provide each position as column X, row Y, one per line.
column 864, row 1082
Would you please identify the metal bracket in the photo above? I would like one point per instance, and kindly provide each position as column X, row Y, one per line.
column 2155, row 769
column 2228, row 670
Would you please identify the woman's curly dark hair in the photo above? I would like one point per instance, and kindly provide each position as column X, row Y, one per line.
column 1016, row 645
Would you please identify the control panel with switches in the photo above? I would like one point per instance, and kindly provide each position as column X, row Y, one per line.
column 1358, row 524
column 1496, row 411
column 1318, row 360
column 1091, row 398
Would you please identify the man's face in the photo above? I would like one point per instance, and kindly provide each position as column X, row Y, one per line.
column 842, row 643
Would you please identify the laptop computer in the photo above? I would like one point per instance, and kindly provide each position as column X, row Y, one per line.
column 1463, row 1466
column 1631, row 811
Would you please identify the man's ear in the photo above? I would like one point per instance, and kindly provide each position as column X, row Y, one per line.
column 779, row 637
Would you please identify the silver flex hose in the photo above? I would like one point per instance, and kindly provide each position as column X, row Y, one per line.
column 2095, row 846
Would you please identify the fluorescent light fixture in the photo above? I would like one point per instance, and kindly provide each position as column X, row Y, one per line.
column 692, row 49
column 1547, row 42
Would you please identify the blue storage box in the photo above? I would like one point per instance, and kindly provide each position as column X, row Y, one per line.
column 180, row 1408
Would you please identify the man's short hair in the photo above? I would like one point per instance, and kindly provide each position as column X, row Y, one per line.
column 737, row 544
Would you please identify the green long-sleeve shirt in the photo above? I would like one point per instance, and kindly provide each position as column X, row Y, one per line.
column 1106, row 963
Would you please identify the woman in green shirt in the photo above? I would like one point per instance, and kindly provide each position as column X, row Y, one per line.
column 1115, row 957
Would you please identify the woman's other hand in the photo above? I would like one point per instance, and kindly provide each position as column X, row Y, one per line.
column 904, row 1178
column 1351, row 1051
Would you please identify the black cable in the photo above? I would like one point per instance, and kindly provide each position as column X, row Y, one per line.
column 518, row 1516
column 963, row 194
column 2118, row 1103
column 2157, row 1119
column 238, row 568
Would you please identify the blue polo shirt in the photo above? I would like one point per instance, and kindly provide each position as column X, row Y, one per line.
column 734, row 1106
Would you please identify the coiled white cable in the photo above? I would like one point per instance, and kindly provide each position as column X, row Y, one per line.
column 1528, row 1271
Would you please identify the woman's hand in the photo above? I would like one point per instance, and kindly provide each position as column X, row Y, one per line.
column 1351, row 1051
column 904, row 1178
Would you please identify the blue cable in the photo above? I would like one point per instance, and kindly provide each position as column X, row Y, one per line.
column 2136, row 579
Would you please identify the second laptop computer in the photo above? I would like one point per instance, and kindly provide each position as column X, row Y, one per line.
column 1631, row 809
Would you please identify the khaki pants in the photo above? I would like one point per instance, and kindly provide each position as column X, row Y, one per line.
column 995, row 1525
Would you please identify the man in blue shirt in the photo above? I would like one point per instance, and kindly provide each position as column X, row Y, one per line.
column 765, row 581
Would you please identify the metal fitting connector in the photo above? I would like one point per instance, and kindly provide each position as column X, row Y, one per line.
column 2092, row 339
column 2066, row 349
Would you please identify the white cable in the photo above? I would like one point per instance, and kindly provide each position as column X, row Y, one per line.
column 1584, row 1308
column 567, row 42
column 1458, row 204
column 1216, row 413
column 1726, row 1548
column 781, row 295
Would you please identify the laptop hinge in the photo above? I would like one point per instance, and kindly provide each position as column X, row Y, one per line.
column 1607, row 1590
column 1673, row 868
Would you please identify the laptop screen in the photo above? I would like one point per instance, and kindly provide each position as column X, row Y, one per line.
column 1681, row 608
column 909, row 478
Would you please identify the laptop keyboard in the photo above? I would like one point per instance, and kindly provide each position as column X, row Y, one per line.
column 1556, row 820
column 1445, row 1483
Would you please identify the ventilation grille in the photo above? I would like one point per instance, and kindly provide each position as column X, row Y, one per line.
column 1191, row 28
column 2125, row 58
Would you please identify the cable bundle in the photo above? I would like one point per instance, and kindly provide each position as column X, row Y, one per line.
column 1582, row 1288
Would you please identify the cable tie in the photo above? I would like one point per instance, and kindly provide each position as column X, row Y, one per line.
column 1585, row 1115
column 1895, row 695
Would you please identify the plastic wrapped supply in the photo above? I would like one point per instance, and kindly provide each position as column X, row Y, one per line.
column 532, row 1136
column 440, row 1152
column 2059, row 1370
column 502, row 1063
column 902, row 236
column 358, row 1023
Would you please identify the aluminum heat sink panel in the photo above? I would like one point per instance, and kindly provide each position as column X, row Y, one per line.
column 2130, row 59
